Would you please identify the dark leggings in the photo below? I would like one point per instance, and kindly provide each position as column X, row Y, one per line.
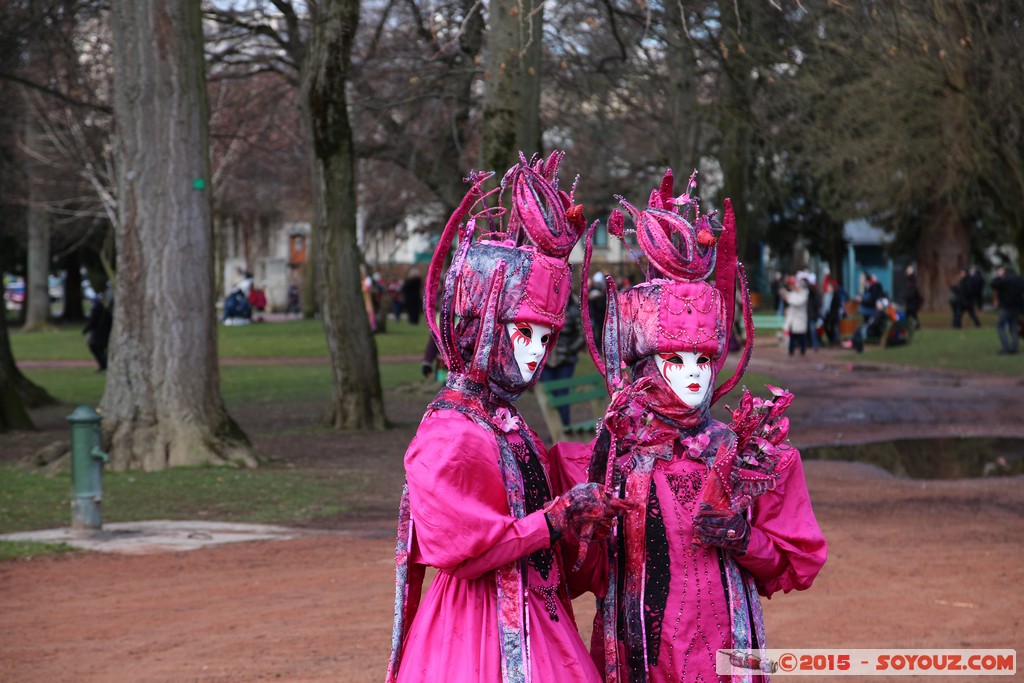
column 795, row 339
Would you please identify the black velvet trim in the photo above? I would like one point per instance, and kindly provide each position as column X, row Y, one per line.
column 536, row 495
column 658, row 575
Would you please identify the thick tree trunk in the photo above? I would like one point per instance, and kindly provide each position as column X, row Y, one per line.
column 12, row 409
column 681, row 98
column 511, row 116
column 357, row 397
column 37, row 276
column 528, row 138
column 942, row 250
column 162, row 406
column 738, row 149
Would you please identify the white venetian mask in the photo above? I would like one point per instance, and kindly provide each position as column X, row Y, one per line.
column 688, row 374
column 529, row 343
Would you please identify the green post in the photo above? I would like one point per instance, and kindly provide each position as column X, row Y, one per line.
column 86, row 469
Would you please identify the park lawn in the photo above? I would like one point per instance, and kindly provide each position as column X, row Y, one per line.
column 240, row 384
column 271, row 494
column 290, row 339
column 937, row 345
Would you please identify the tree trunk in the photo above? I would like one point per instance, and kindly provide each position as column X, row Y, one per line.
column 357, row 401
column 12, row 409
column 162, row 406
column 738, row 147
column 37, row 285
column 511, row 117
column 309, row 297
column 528, row 138
column 681, row 94
column 942, row 251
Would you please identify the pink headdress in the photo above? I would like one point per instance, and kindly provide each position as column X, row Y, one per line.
column 512, row 273
column 676, row 308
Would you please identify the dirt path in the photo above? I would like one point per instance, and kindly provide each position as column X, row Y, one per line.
column 932, row 564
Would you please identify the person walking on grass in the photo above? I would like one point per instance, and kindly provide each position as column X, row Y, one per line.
column 1008, row 292
column 797, row 318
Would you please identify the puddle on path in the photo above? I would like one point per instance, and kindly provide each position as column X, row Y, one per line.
column 945, row 458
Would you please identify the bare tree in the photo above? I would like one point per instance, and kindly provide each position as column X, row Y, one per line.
column 511, row 107
column 162, row 405
column 909, row 113
column 37, row 272
column 415, row 79
column 60, row 70
column 357, row 398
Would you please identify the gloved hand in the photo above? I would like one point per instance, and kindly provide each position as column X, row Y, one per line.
column 427, row 369
column 725, row 530
column 581, row 509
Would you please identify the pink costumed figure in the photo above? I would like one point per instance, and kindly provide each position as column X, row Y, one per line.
column 720, row 513
column 484, row 502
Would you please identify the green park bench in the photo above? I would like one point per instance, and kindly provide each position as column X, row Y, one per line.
column 766, row 321
column 587, row 394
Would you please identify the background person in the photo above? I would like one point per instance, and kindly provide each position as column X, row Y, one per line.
column 797, row 318
column 960, row 300
column 237, row 309
column 914, row 299
column 97, row 331
column 976, row 288
column 561, row 364
column 1008, row 291
column 834, row 309
column 869, row 296
column 412, row 296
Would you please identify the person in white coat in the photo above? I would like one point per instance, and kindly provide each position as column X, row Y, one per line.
column 796, row 321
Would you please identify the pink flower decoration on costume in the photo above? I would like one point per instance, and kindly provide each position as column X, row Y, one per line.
column 505, row 421
column 695, row 445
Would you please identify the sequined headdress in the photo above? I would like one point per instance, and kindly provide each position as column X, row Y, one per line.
column 511, row 261
column 676, row 308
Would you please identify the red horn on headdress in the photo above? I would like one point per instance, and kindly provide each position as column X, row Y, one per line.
column 542, row 211
column 443, row 334
column 588, row 328
column 725, row 275
column 725, row 281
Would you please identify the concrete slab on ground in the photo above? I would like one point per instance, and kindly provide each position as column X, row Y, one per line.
column 156, row 536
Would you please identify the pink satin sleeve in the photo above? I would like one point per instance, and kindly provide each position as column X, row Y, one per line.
column 459, row 507
column 567, row 465
column 787, row 548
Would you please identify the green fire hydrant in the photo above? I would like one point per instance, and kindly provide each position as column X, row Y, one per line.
column 86, row 469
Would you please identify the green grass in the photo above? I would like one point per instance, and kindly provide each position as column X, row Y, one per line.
column 291, row 339
column 937, row 345
column 239, row 384
column 268, row 495
column 20, row 550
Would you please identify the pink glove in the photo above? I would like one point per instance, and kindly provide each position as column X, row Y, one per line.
column 581, row 510
column 726, row 530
